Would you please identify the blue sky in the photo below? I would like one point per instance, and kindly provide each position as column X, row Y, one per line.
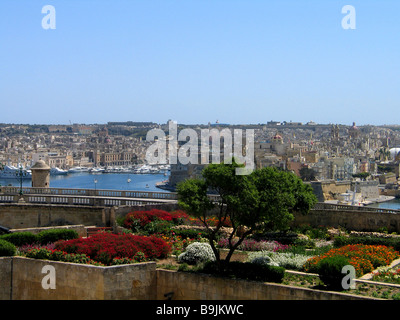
column 198, row 61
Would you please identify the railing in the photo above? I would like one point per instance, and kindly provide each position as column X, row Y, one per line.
column 127, row 197
column 89, row 192
column 84, row 196
column 343, row 207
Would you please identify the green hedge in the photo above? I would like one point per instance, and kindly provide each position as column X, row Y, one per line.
column 190, row 233
column 20, row 238
column 53, row 235
column 43, row 237
column 7, row 249
column 246, row 271
column 330, row 271
column 341, row 241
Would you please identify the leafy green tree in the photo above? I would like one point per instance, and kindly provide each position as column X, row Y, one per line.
column 265, row 199
column 361, row 175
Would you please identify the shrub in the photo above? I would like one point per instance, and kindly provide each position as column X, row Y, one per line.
column 104, row 247
column 313, row 232
column 138, row 219
column 20, row 238
column 286, row 238
column 263, row 259
column 387, row 274
column 330, row 271
column 197, row 252
column 285, row 260
column 341, row 241
column 190, row 233
column 157, row 227
column 53, row 235
column 41, row 253
column 25, row 248
column 7, row 249
column 306, row 243
column 246, row 271
column 253, row 245
column 119, row 261
column 57, row 255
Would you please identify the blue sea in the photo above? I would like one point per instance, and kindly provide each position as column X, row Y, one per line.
column 108, row 181
column 392, row 204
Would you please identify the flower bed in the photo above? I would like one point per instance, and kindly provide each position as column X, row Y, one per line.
column 364, row 258
column 253, row 245
column 142, row 218
column 57, row 255
column 387, row 274
column 104, row 247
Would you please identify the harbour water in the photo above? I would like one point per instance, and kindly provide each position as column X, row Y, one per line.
column 109, row 181
column 392, row 204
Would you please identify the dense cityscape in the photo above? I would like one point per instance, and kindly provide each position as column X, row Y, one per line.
column 314, row 152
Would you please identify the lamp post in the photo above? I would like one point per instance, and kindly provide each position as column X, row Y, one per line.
column 20, row 175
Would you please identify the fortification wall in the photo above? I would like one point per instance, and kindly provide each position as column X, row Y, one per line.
column 351, row 220
column 30, row 279
column 20, row 216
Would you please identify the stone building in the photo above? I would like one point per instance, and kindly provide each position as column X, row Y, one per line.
column 40, row 175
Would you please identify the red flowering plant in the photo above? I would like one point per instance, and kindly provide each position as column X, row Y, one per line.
column 58, row 255
column 105, row 247
column 153, row 221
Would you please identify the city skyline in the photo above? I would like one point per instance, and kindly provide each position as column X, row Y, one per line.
column 197, row 62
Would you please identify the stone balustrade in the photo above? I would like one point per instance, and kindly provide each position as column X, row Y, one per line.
column 84, row 196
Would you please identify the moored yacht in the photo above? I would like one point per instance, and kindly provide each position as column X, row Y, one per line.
column 78, row 170
column 11, row 172
column 58, row 172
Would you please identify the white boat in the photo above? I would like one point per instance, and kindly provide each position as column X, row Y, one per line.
column 78, row 170
column 142, row 169
column 96, row 170
column 58, row 172
column 11, row 172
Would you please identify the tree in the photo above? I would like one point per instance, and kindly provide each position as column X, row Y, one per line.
column 361, row 175
column 264, row 199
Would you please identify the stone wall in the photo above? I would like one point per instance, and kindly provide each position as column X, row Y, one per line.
column 188, row 286
column 351, row 220
column 21, row 279
column 19, row 216
column 5, row 278
column 326, row 190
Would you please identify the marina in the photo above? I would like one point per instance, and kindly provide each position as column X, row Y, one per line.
column 110, row 181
